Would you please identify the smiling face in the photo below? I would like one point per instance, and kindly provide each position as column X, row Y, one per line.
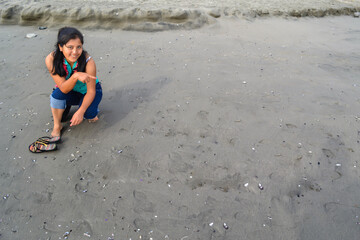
column 72, row 50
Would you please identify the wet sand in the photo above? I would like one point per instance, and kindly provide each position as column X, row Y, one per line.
column 191, row 122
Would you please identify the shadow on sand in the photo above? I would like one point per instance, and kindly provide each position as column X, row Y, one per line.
column 116, row 104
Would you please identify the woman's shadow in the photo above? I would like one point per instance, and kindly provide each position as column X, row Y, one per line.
column 117, row 104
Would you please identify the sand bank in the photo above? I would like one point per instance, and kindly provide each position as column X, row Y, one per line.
column 191, row 123
column 160, row 15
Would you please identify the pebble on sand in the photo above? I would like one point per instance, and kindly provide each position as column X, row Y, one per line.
column 31, row 35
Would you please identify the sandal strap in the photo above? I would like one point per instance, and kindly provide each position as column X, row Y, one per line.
column 33, row 147
column 48, row 140
column 42, row 142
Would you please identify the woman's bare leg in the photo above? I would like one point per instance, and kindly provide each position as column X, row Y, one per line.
column 57, row 115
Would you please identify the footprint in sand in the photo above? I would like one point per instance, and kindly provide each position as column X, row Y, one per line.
column 142, row 204
column 83, row 228
column 328, row 153
column 142, row 224
column 82, row 187
column 282, row 218
column 203, row 115
column 176, row 164
column 42, row 197
column 83, row 183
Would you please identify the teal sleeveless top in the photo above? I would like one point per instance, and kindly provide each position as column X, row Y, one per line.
column 79, row 86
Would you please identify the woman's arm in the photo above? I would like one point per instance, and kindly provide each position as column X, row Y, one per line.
column 66, row 85
column 89, row 96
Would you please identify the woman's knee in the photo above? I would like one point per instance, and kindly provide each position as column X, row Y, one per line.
column 58, row 94
column 91, row 113
column 58, row 99
column 93, row 109
column 57, row 103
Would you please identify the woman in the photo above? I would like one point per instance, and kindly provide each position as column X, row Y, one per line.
column 74, row 73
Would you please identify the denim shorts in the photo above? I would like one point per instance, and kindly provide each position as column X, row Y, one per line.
column 60, row 100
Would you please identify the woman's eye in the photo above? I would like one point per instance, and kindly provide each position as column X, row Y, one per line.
column 72, row 47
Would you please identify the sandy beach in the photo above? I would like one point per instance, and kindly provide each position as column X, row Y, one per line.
column 243, row 128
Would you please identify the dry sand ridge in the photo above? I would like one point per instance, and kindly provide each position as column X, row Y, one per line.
column 160, row 15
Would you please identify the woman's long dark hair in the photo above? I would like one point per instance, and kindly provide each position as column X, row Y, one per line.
column 66, row 34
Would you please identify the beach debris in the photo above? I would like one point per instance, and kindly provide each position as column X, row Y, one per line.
column 356, row 14
column 6, row 196
column 42, row 28
column 67, row 234
column 31, row 35
column 261, row 187
column 338, row 164
column 215, row 13
column 244, row 82
column 246, row 184
column 225, row 226
column 211, row 224
column 86, row 234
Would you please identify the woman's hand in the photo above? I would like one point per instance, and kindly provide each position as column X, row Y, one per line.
column 84, row 77
column 77, row 118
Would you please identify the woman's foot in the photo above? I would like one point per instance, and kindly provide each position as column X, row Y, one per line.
column 56, row 132
column 93, row 120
